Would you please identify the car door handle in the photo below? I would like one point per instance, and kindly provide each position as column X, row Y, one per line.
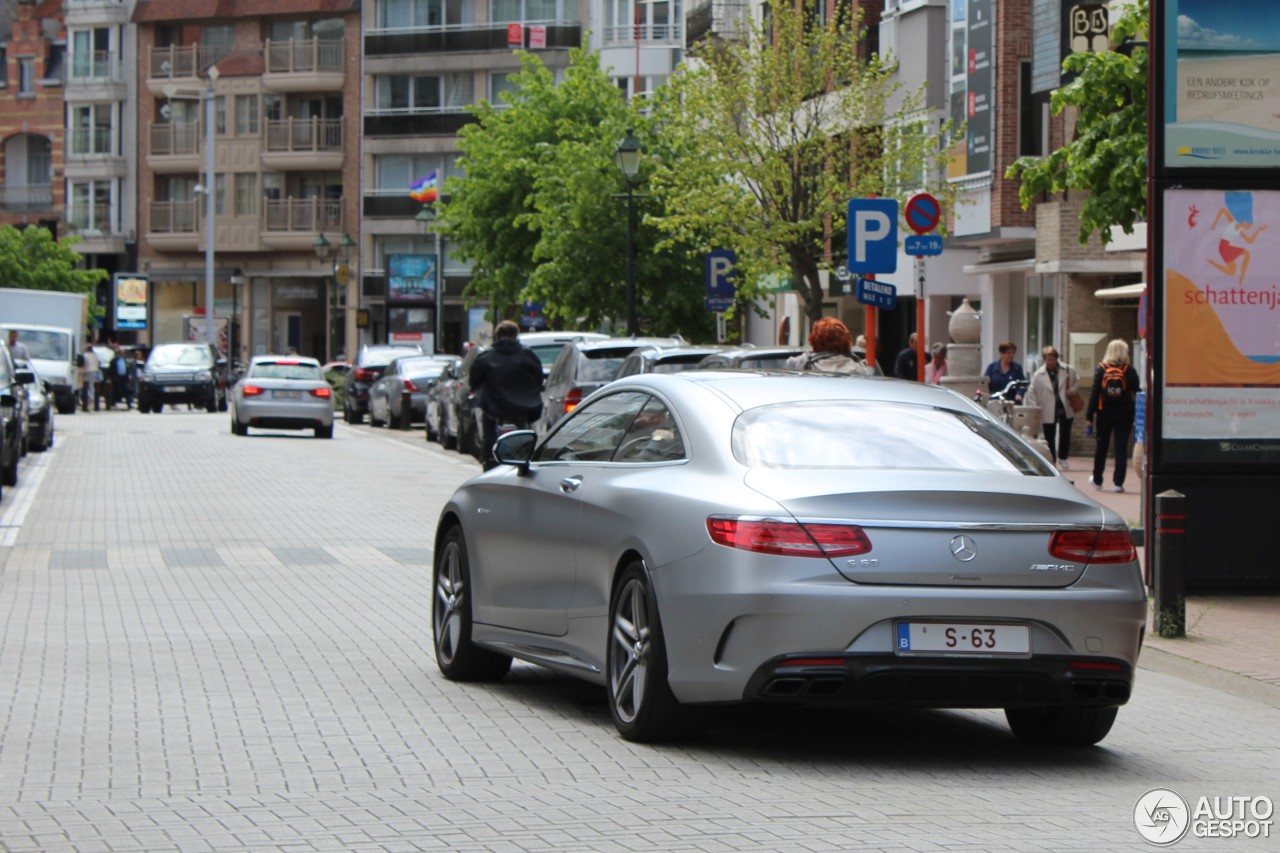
column 570, row 484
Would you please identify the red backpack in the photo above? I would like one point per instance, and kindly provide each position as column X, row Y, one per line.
column 1114, row 388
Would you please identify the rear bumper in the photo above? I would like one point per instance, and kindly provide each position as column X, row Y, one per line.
column 868, row 680
column 293, row 414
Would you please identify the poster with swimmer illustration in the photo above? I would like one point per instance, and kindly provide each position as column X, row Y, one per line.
column 1222, row 314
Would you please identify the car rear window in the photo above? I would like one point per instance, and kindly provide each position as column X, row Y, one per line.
column 881, row 436
column 381, row 358
column 180, row 356
column 779, row 360
column 275, row 370
column 675, row 364
column 602, row 365
column 547, row 354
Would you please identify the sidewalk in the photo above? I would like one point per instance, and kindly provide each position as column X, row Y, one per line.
column 1231, row 634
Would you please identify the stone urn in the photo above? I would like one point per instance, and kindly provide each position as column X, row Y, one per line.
column 966, row 324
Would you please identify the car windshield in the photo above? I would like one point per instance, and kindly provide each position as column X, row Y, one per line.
column 602, row 365
column 677, row 363
column 180, row 356
column 427, row 370
column 284, row 370
column 881, row 436
column 55, row 346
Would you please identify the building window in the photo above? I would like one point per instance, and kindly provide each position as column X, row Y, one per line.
column 220, row 194
column 26, row 76
column 91, row 129
column 246, row 115
column 220, row 115
column 1033, row 116
column 395, row 173
column 500, row 82
column 218, row 41
column 420, row 14
column 423, row 93
column 247, row 194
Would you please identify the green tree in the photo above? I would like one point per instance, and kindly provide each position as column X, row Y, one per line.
column 537, row 207
column 31, row 259
column 775, row 134
column 1108, row 156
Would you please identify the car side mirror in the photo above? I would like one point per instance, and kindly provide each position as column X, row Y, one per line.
column 24, row 377
column 516, row 448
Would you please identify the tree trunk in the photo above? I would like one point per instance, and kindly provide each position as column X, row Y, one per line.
column 808, row 285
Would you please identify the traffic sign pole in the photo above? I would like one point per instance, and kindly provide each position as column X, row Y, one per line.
column 922, row 214
column 920, row 342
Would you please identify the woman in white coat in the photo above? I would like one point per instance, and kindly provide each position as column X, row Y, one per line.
column 1053, row 387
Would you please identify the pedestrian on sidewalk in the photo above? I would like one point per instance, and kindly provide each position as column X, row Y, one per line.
column 1053, row 387
column 936, row 367
column 1111, row 410
column 91, row 376
column 831, row 350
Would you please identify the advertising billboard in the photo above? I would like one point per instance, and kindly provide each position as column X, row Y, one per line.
column 411, row 278
column 1221, row 319
column 130, row 300
column 1222, row 85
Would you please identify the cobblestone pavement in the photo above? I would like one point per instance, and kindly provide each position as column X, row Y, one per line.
column 212, row 643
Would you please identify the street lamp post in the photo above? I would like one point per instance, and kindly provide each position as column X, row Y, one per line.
column 629, row 165
column 324, row 249
column 426, row 218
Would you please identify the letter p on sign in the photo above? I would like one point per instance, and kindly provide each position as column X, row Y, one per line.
column 873, row 235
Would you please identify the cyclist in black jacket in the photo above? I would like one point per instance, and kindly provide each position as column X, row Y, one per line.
column 507, row 383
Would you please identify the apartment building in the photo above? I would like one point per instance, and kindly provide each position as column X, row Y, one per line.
column 425, row 63
column 640, row 42
column 32, row 142
column 284, row 80
column 101, row 150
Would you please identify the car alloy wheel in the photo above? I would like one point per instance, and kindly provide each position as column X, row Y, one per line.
column 640, row 699
column 458, row 658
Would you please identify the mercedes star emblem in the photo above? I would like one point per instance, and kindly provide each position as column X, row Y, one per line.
column 963, row 549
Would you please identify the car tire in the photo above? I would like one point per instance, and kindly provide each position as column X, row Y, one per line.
column 157, row 408
column 458, row 658
column 373, row 420
column 352, row 417
column 447, row 441
column 212, row 404
column 1061, row 725
column 222, row 403
column 10, row 474
column 643, row 708
column 238, row 428
column 324, row 432
column 433, row 433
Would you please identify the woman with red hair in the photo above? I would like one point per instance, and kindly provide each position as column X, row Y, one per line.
column 832, row 350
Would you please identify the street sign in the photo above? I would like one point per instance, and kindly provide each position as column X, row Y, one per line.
column 923, row 213
column 873, row 235
column 720, row 287
column 880, row 294
column 922, row 244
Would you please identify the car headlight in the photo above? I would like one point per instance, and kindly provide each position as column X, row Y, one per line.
column 148, row 376
column 203, row 376
column 37, row 404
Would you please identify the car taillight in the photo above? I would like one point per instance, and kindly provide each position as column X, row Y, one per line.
column 409, row 386
column 251, row 390
column 323, row 392
column 788, row 538
column 1093, row 546
column 572, row 399
column 364, row 374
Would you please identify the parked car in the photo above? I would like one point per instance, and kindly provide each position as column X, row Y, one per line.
column 664, row 359
column 368, row 366
column 547, row 345
column 459, row 409
column 749, row 357
column 440, row 415
column 708, row 537
column 415, row 374
column 282, row 392
column 583, row 366
column 186, row 372
column 40, row 408
column 13, row 396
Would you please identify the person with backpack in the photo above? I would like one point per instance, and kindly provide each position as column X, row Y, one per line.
column 832, row 350
column 1111, row 410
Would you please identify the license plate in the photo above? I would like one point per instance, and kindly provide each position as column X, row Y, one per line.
column 175, row 389
column 286, row 395
column 958, row 638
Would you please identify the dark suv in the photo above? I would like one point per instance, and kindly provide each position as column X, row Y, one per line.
column 193, row 373
column 13, row 395
column 583, row 366
column 366, row 370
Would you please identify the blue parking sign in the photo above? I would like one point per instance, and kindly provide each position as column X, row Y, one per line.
column 873, row 235
column 720, row 288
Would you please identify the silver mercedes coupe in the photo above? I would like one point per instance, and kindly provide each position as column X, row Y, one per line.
column 710, row 537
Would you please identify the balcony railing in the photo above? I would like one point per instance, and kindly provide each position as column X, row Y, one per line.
column 175, row 217
column 186, row 61
column 304, row 135
column 460, row 38
column 91, row 220
column 302, row 214
column 645, row 33
column 305, row 56
column 95, row 66
column 175, row 138
column 26, row 198
column 90, row 142
column 442, row 122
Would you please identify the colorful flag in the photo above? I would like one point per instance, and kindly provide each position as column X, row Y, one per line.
column 425, row 190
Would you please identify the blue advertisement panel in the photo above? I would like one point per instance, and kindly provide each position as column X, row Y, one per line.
column 411, row 278
column 1222, row 84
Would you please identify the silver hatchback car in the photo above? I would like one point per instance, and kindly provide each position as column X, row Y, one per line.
column 709, row 537
column 282, row 392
